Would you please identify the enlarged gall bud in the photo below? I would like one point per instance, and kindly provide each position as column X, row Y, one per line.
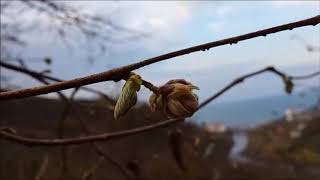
column 175, row 99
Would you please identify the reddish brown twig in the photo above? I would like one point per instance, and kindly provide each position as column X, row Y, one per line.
column 122, row 72
column 237, row 81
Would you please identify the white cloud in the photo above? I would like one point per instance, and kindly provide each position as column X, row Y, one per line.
column 161, row 15
column 225, row 10
column 216, row 26
column 189, row 65
column 162, row 20
column 284, row 4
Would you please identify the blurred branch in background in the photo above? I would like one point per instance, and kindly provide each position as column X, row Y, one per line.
column 305, row 76
column 64, row 21
column 98, row 150
column 42, row 168
column 102, row 154
column 267, row 69
column 309, row 47
column 60, row 128
column 61, row 123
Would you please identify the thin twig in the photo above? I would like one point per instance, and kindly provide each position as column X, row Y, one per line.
column 122, row 72
column 61, row 131
column 63, row 118
column 86, row 139
column 150, row 86
column 96, row 147
column 120, row 134
column 60, row 127
column 242, row 78
column 308, row 76
column 90, row 171
column 43, row 167
column 237, row 81
column 103, row 155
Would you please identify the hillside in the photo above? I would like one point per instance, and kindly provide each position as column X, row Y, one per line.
column 198, row 154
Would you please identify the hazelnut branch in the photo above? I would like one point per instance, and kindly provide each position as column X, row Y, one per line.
column 117, row 74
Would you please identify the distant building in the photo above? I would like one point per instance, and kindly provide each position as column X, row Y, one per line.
column 215, row 127
column 291, row 115
column 301, row 126
column 295, row 134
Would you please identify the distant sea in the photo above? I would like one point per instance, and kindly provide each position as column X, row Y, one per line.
column 252, row 112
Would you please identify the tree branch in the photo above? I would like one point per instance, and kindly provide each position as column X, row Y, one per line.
column 122, row 72
column 308, row 76
column 45, row 76
column 87, row 139
column 111, row 136
column 242, row 78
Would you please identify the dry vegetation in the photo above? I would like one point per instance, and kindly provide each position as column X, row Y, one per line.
column 145, row 156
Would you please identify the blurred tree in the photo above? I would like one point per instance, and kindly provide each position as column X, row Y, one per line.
column 66, row 23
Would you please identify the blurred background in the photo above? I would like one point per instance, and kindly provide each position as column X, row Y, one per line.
column 240, row 135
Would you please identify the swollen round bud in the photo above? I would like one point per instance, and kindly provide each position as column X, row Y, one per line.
column 175, row 99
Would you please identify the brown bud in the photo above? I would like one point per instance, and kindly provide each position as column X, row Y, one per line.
column 288, row 84
column 175, row 99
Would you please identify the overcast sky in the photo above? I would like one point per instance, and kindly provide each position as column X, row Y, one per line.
column 176, row 25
